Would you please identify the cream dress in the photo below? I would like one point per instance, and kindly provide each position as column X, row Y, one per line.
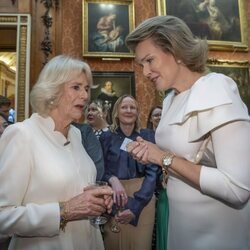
column 36, row 172
column 214, row 218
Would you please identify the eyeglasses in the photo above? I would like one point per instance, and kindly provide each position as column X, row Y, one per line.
column 157, row 115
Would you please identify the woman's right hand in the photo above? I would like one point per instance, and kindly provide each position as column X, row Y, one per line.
column 92, row 202
column 145, row 152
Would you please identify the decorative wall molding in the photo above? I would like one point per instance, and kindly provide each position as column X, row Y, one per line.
column 214, row 61
column 47, row 19
column 22, row 22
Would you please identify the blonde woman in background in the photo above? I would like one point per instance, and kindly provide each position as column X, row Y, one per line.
column 133, row 183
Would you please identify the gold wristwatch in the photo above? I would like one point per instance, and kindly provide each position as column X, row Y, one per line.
column 167, row 161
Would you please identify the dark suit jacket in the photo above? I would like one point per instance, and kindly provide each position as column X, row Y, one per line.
column 92, row 147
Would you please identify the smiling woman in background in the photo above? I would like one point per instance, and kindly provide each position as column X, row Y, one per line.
column 44, row 169
column 133, row 183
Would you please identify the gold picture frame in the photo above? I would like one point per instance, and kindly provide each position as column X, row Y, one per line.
column 123, row 83
column 224, row 24
column 106, row 24
column 239, row 71
column 109, row 86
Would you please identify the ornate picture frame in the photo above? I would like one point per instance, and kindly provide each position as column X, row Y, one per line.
column 106, row 24
column 120, row 83
column 222, row 22
column 239, row 71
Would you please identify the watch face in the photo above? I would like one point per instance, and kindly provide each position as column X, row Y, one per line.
column 167, row 161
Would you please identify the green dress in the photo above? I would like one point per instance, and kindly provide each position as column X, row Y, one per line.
column 162, row 212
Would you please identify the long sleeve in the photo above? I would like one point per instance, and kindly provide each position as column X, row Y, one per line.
column 144, row 194
column 230, row 181
column 15, row 171
column 151, row 171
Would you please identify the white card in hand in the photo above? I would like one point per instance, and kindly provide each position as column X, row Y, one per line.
column 125, row 143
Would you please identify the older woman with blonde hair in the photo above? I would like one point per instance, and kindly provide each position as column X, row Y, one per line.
column 45, row 198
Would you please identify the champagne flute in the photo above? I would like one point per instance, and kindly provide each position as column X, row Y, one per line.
column 101, row 219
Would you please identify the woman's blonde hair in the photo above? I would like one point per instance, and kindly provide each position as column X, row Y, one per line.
column 115, row 118
column 173, row 36
column 47, row 91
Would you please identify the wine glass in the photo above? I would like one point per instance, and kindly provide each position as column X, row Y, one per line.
column 101, row 219
column 115, row 228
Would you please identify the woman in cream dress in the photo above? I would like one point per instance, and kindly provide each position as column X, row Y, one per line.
column 44, row 169
column 202, row 140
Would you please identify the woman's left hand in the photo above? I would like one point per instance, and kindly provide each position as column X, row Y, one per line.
column 125, row 216
column 120, row 197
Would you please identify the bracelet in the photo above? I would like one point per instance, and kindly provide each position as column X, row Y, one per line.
column 165, row 176
column 63, row 215
column 166, row 164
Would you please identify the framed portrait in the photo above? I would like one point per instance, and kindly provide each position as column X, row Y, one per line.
column 239, row 71
column 106, row 24
column 222, row 22
column 109, row 86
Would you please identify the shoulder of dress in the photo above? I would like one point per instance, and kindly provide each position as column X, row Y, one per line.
column 19, row 130
column 212, row 91
column 212, row 101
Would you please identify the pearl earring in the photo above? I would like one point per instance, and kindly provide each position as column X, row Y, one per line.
column 179, row 61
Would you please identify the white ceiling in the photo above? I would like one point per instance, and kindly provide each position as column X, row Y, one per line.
column 9, row 58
